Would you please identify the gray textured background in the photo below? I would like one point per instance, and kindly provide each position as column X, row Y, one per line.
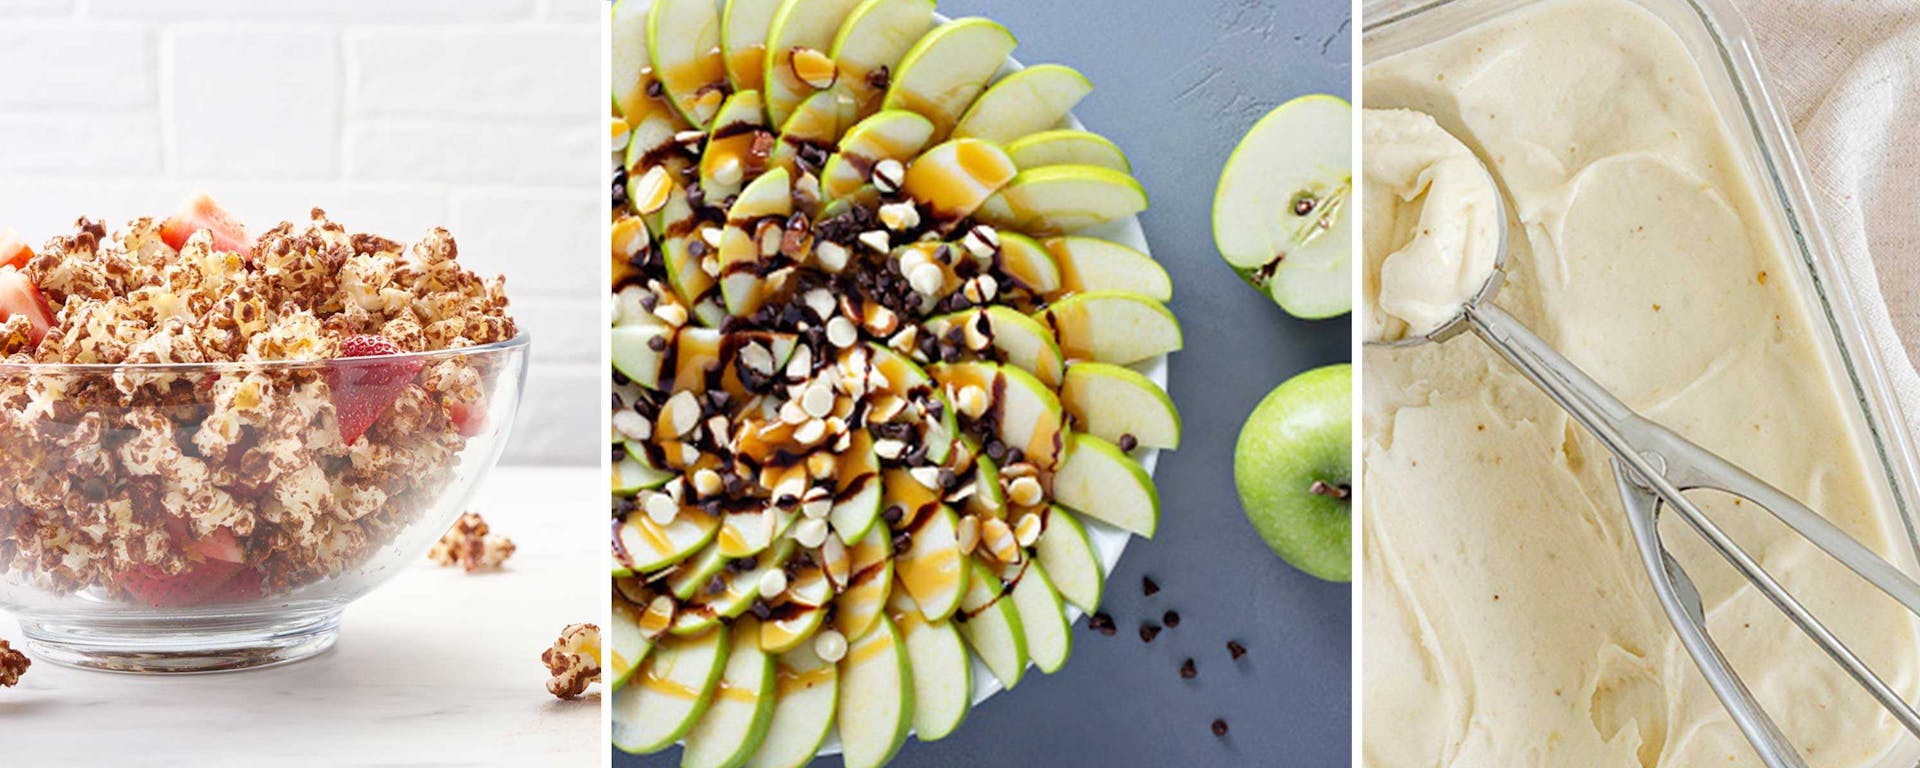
column 1176, row 84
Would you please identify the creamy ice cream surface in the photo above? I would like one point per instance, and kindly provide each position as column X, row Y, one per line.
column 1507, row 621
column 1432, row 224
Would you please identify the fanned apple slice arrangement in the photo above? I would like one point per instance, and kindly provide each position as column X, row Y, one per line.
column 869, row 376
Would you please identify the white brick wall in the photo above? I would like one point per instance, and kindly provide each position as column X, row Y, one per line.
column 483, row 116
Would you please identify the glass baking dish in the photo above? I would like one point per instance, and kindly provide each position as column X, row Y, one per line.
column 1725, row 51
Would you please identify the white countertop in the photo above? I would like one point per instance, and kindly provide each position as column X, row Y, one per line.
column 438, row 667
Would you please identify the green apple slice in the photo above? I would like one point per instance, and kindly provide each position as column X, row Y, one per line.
column 743, row 41
column 988, row 500
column 1021, row 340
column 942, row 670
column 954, row 179
column 871, row 45
column 647, row 546
column 739, row 589
column 876, row 710
column 1024, row 103
column 1281, row 214
column 1026, row 413
column 731, row 729
column 1112, row 327
column 789, row 628
column 817, row 121
column 946, row 70
column 933, row 570
column 1067, row 553
column 629, row 647
column 1043, row 619
column 1067, row 146
column 1029, row 264
column 896, row 135
column 807, row 692
column 857, row 504
column 696, row 356
column 1058, row 199
column 627, row 20
column 727, row 162
column 769, row 196
column 676, row 230
column 694, row 574
column 809, row 24
column 993, row 626
column 1092, row 264
column 633, row 474
column 1109, row 401
column 1100, row 481
column 670, row 693
column 683, row 37
column 864, row 600
column 634, row 356
column 905, row 376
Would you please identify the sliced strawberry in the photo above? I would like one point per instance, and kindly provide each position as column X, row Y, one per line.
column 469, row 418
column 193, row 586
column 220, row 545
column 14, row 251
column 201, row 212
column 245, row 585
column 363, row 391
column 18, row 296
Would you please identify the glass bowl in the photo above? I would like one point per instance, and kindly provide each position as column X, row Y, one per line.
column 203, row 517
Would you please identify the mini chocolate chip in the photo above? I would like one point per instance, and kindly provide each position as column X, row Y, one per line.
column 948, row 479
column 657, row 343
column 902, row 542
column 996, row 450
column 761, row 610
column 716, row 586
column 893, row 514
column 1127, row 441
column 1234, row 647
column 655, row 89
column 1172, row 619
column 1219, row 727
column 1188, row 671
column 1101, row 623
column 1148, row 586
column 1148, row 632
column 619, row 453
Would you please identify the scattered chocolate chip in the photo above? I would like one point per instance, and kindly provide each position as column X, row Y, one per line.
column 893, row 514
column 1188, row 671
column 1303, row 206
column 1172, row 619
column 1148, row 632
column 657, row 343
column 1127, row 441
column 716, row 586
column 1101, row 623
column 1219, row 727
column 1148, row 586
column 761, row 610
column 1234, row 647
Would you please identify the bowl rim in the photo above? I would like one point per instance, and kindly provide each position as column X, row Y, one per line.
column 519, row 341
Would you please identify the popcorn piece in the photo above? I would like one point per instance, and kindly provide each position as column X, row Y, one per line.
column 13, row 664
column 470, row 544
column 574, row 661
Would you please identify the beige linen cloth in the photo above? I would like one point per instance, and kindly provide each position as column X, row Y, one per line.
column 1847, row 73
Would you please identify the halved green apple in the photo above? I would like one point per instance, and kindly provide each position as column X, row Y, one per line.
column 1026, row 412
column 683, row 38
column 1111, row 327
column 672, row 691
column 736, row 722
column 1092, row 264
column 993, row 628
column 647, row 546
column 871, row 45
column 807, row 693
column 728, row 160
column 953, row 179
column 948, row 68
column 1060, row 199
column 876, row 708
column 942, row 670
column 887, row 135
column 1029, row 264
column 743, row 41
column 1109, row 401
column 798, row 24
column 769, row 196
column 1067, row 146
column 1024, row 103
column 1100, row 481
column 1043, row 619
column 1281, row 214
column 1070, row 559
column 1021, row 340
column 933, row 570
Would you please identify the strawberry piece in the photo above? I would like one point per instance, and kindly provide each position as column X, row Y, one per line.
column 194, row 586
column 14, row 251
column 18, row 296
column 220, row 545
column 469, row 418
column 201, row 212
column 363, row 391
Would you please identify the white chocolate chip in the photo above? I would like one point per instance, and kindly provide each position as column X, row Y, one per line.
column 926, row 280
column 882, row 321
column 983, row 242
column 877, row 240
column 888, row 175
column 832, row 255
column 729, row 172
column 841, row 332
column 900, row 216
column 971, row 400
column 706, row 482
column 830, row 646
column 772, row 583
column 818, row 401
column 671, row 314
column 661, row 509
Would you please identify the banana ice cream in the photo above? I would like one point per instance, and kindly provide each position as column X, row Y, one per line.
column 1426, row 196
column 1508, row 621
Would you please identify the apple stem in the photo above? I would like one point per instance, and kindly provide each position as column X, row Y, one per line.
column 1323, row 488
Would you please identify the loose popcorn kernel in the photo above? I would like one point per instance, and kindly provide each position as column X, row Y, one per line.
column 574, row 660
column 13, row 664
column 471, row 545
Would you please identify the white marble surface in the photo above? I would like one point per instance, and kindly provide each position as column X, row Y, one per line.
column 436, row 668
